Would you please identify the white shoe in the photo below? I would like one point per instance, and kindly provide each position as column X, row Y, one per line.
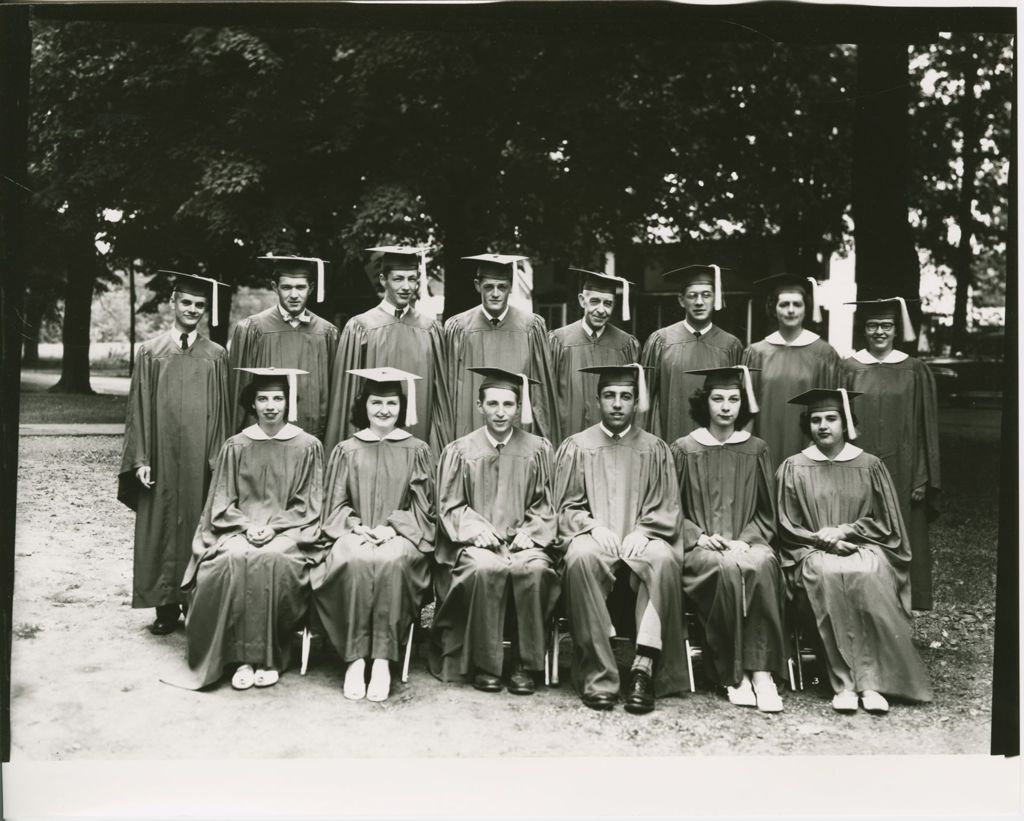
column 874, row 702
column 380, row 681
column 743, row 695
column 768, row 698
column 845, row 701
column 244, row 677
column 355, row 680
column 266, row 677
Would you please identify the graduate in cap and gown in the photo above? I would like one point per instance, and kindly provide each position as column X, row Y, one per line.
column 617, row 501
column 289, row 335
column 254, row 547
column 899, row 424
column 592, row 340
column 378, row 518
column 393, row 334
column 789, row 361
column 730, row 571
column 496, row 553
column 693, row 343
column 177, row 420
column 846, row 554
column 496, row 334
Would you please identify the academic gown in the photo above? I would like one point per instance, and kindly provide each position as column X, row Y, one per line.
column 860, row 602
column 377, row 339
column 671, row 351
column 729, row 489
column 367, row 594
column 246, row 601
column 573, row 348
column 899, row 424
column 176, row 423
column 625, row 485
column 266, row 340
column 510, row 491
column 519, row 343
column 788, row 371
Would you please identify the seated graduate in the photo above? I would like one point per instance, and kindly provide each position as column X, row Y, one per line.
column 730, row 572
column 618, row 513
column 379, row 520
column 255, row 544
column 496, row 535
column 846, row 552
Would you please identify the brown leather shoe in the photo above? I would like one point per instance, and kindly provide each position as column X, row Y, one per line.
column 486, row 682
column 641, row 692
column 521, row 683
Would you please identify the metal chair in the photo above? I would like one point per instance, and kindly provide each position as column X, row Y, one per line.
column 307, row 635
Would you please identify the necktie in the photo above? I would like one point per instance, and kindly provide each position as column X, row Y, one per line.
column 499, row 446
column 616, row 436
column 494, row 321
column 399, row 313
column 184, row 342
column 697, row 334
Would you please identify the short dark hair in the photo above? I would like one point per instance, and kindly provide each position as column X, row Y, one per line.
column 701, row 413
column 805, row 421
column 358, row 416
column 772, row 301
column 481, row 389
column 247, row 397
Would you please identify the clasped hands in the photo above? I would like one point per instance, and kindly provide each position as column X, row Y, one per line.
column 259, row 535
column 489, row 540
column 833, row 540
column 633, row 545
column 714, row 541
column 375, row 535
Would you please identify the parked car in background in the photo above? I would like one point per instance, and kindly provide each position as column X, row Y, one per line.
column 973, row 375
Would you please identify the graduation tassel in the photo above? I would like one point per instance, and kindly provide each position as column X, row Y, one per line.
column 527, row 415
column 215, row 305
column 424, row 282
column 748, row 383
column 814, row 299
column 718, row 287
column 293, row 407
column 851, row 431
column 908, row 329
column 319, row 280
column 625, row 301
column 410, row 402
column 642, row 403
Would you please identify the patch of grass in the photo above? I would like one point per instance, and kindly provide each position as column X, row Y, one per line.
column 43, row 408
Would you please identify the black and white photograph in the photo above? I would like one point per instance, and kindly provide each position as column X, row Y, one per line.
column 468, row 400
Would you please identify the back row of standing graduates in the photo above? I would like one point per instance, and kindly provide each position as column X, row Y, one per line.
column 182, row 407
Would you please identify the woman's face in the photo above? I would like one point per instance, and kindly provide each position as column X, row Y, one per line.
column 827, row 428
column 724, row 406
column 269, row 406
column 382, row 411
column 790, row 310
column 880, row 334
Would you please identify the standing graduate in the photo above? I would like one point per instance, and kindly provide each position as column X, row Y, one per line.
column 177, row 420
column 249, row 574
column 498, row 335
column 288, row 335
column 791, row 360
column 899, row 424
column 673, row 352
column 846, row 553
column 496, row 555
column 393, row 334
column 618, row 513
column 592, row 340
column 379, row 519
column 730, row 571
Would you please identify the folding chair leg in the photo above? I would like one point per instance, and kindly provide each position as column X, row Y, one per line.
column 408, row 654
column 792, row 679
column 799, row 660
column 555, row 641
column 547, row 668
column 307, row 639
column 689, row 665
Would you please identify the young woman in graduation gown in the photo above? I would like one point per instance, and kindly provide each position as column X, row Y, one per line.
column 731, row 574
column 255, row 544
column 846, row 554
column 379, row 522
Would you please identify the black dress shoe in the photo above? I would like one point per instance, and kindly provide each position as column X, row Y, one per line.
column 521, row 683
column 163, row 628
column 487, row 682
column 600, row 701
column 641, row 692
column 166, row 620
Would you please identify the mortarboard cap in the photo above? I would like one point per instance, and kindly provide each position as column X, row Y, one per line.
column 308, row 267
column 198, row 286
column 894, row 306
column 808, row 286
column 735, row 376
column 503, row 266
column 278, row 379
column 683, row 277
column 510, row 380
column 830, row 399
column 391, row 379
column 630, row 374
column 607, row 283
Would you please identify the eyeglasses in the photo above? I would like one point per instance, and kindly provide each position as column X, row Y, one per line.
column 693, row 296
column 879, row 326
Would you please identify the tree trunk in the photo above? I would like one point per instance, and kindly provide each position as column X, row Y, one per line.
column 131, row 320
column 35, row 308
column 964, row 257
column 74, row 368
column 887, row 263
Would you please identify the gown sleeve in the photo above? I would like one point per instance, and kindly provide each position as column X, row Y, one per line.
column 539, row 521
column 926, row 464
column 339, row 515
column 350, row 354
column 691, row 530
column 239, row 355
column 135, row 451
column 300, row 519
column 442, row 424
column 659, row 509
column 570, row 496
column 416, row 521
column 761, row 527
column 455, row 516
column 651, row 358
column 219, row 410
column 545, row 417
column 882, row 524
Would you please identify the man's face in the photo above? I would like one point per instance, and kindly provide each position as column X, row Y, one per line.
column 790, row 310
column 597, row 307
column 698, row 301
column 724, row 406
column 188, row 310
column 270, row 405
column 827, row 428
column 292, row 293
column 618, row 406
column 494, row 293
column 400, row 286
column 880, row 334
column 498, row 408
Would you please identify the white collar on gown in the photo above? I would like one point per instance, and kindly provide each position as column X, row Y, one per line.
column 806, row 338
column 289, row 431
column 367, row 435
column 894, row 357
column 849, row 451
column 704, row 437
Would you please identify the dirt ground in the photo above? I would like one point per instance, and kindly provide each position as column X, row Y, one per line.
column 85, row 669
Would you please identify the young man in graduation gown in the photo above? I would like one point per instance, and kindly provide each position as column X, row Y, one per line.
column 691, row 344
column 899, row 424
column 289, row 335
column 177, row 420
column 395, row 334
column 496, row 334
column 592, row 340
column 617, row 501
column 495, row 553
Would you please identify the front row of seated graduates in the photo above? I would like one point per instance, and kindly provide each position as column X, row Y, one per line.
column 610, row 544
